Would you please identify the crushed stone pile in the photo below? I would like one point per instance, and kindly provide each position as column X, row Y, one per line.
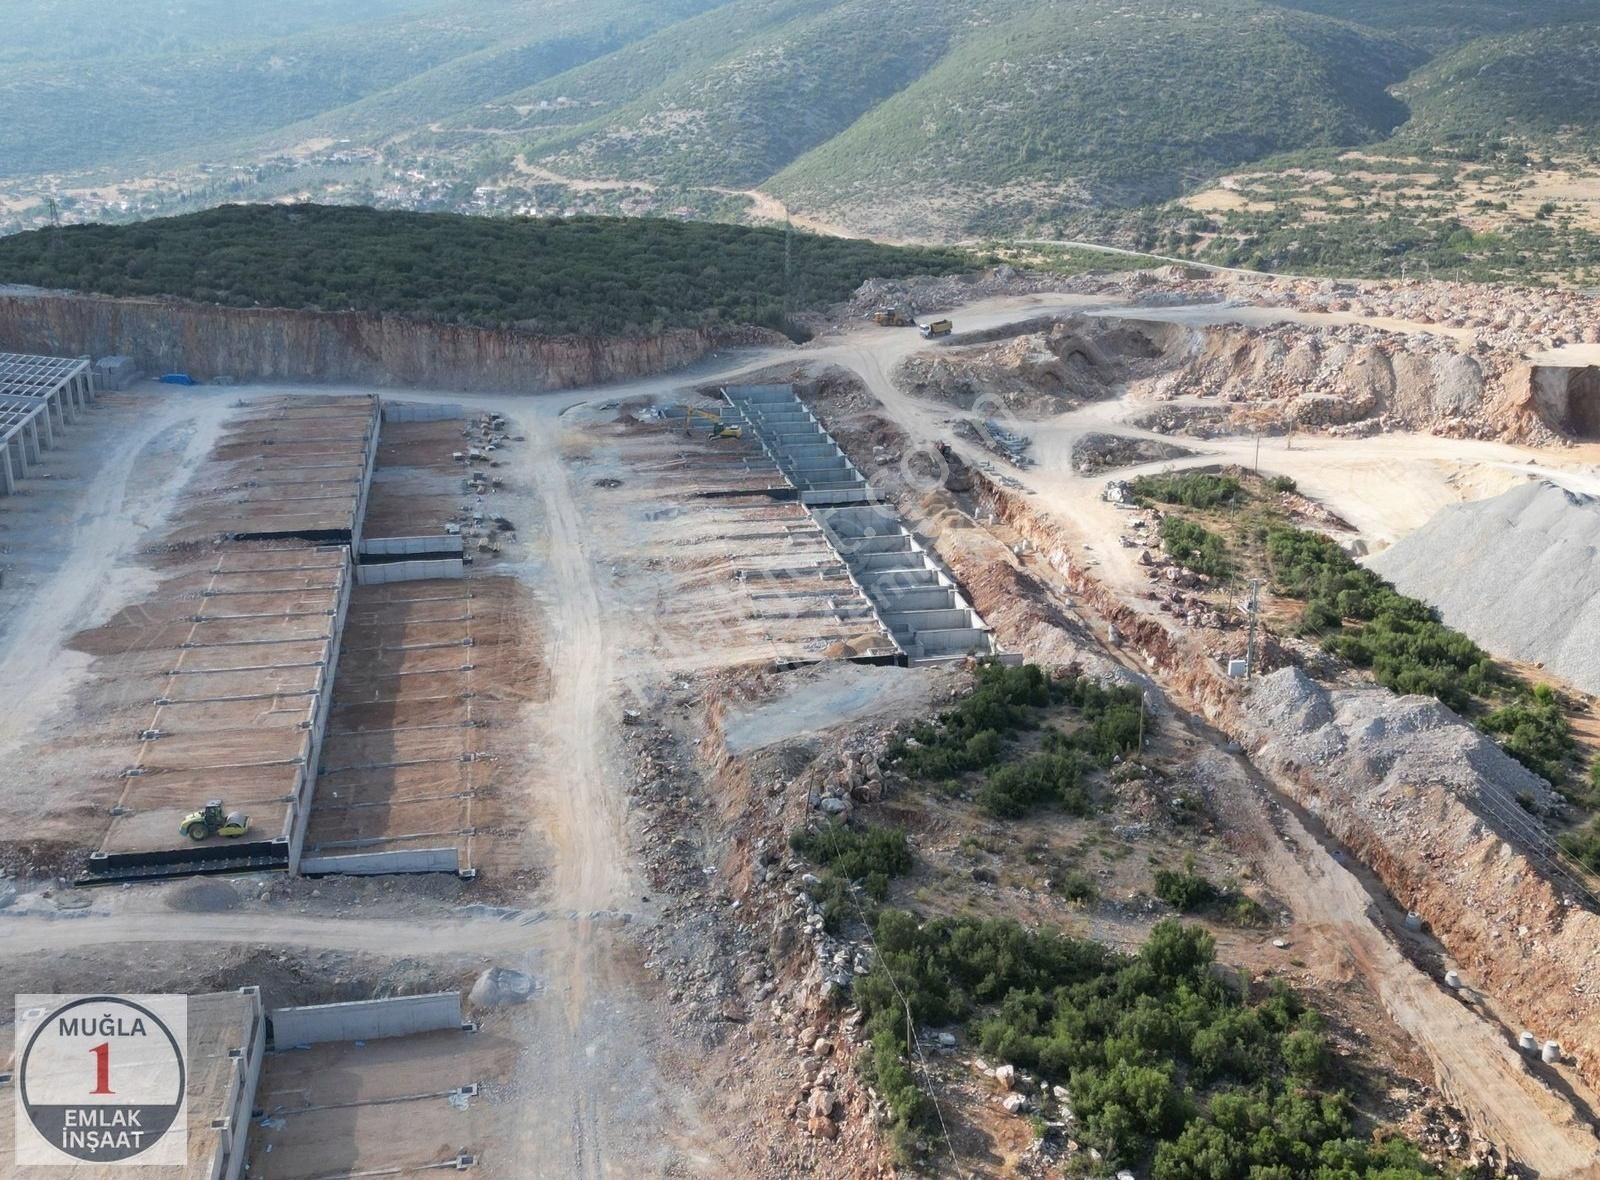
column 1438, row 810
column 1518, row 573
column 1375, row 737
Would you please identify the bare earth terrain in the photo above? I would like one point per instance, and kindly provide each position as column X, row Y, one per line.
column 652, row 722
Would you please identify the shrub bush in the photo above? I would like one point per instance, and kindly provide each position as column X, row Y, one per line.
column 1196, row 489
column 871, row 855
column 1195, row 547
column 1154, row 1047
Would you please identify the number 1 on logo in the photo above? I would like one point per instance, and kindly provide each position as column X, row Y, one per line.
column 102, row 1069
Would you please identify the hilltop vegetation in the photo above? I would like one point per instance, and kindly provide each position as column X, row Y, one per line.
column 1099, row 103
column 82, row 92
column 1362, row 137
column 1535, row 88
column 584, row 275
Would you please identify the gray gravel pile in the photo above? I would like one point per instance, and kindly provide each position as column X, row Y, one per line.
column 1519, row 573
column 1371, row 741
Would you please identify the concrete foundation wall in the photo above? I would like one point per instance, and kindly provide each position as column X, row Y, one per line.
column 369, row 463
column 300, row 805
column 229, row 1161
column 365, row 1020
column 409, row 571
column 371, row 864
column 421, row 412
column 390, row 546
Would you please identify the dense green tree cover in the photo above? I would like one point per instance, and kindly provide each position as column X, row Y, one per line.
column 971, row 737
column 1110, row 103
column 1165, row 1064
column 1194, row 489
column 1533, row 87
column 1198, row 548
column 586, row 275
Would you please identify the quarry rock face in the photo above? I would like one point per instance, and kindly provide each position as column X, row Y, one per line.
column 269, row 344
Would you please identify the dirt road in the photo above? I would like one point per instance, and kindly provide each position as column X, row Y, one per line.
column 1338, row 926
column 1472, row 1058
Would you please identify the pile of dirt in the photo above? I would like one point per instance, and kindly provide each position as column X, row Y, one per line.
column 1063, row 364
column 1297, row 376
column 1519, row 573
column 1442, row 814
column 203, row 895
column 1502, row 318
column 1094, row 453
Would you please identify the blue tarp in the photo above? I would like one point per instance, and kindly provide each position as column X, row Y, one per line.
column 178, row 379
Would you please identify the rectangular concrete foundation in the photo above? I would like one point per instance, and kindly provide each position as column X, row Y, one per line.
column 911, row 595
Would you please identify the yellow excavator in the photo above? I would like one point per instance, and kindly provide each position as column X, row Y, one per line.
column 719, row 428
column 211, row 821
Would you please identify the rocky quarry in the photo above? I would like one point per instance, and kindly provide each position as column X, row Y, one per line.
column 274, row 344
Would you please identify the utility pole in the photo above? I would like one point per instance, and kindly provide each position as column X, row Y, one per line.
column 1258, row 450
column 1250, row 644
column 55, row 226
column 788, row 260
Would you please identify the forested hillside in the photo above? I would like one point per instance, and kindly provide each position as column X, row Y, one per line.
column 583, row 275
column 1039, row 116
column 1232, row 129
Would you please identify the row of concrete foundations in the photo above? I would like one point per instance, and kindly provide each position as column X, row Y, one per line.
column 911, row 595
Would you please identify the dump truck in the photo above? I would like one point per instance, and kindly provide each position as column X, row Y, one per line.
column 892, row 317
column 936, row 328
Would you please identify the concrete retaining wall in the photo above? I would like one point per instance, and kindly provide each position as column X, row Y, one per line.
column 421, row 412
column 370, row 864
column 369, row 463
column 229, row 1161
column 388, row 546
column 299, row 814
column 365, row 1020
column 409, row 571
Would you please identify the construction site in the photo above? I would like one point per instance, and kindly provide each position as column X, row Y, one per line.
column 484, row 765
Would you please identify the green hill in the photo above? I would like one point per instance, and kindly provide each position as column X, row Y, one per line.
column 204, row 86
column 1533, row 88
column 583, row 275
column 1103, row 103
column 904, row 118
column 732, row 112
